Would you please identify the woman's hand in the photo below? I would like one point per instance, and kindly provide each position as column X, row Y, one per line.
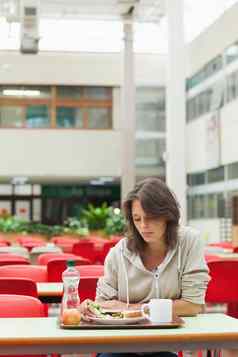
column 110, row 305
column 85, row 311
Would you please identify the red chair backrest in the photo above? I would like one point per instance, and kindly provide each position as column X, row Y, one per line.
column 11, row 255
column 18, row 286
column 37, row 273
column 4, row 240
column 3, row 244
column 44, row 258
column 223, row 286
column 9, row 259
column 91, row 270
column 221, row 245
column 55, row 267
column 64, row 239
column 211, row 257
column 87, row 287
column 20, row 306
column 85, row 249
column 28, row 238
column 30, row 245
column 101, row 255
column 115, row 238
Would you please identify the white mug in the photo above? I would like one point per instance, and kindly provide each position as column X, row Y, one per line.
column 160, row 310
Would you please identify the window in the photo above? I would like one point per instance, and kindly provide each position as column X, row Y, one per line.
column 199, row 105
column 35, row 106
column 37, row 116
column 211, row 206
column 97, row 92
column 99, row 118
column 216, row 175
column 198, row 206
column 11, row 116
column 69, row 117
column 73, row 92
column 150, row 109
column 196, row 179
column 232, row 86
column 231, row 53
column 149, row 152
column 232, row 171
column 207, row 71
column 221, row 206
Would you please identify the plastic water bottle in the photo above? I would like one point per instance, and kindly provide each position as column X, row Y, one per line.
column 70, row 313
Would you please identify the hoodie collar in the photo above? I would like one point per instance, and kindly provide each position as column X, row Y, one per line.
column 135, row 258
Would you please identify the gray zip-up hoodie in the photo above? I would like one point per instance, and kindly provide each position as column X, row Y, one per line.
column 182, row 275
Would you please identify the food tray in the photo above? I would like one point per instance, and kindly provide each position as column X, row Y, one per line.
column 177, row 322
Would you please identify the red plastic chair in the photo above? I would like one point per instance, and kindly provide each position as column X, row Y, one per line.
column 65, row 243
column 3, row 244
column 223, row 286
column 64, row 239
column 9, row 259
column 3, row 240
column 18, row 286
column 21, row 306
column 211, row 257
column 31, row 244
column 55, row 267
column 21, row 239
column 115, row 238
column 221, row 245
column 91, row 270
column 87, row 287
column 101, row 255
column 37, row 273
column 44, row 258
column 85, row 249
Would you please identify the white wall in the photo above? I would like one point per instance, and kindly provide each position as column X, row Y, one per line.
column 197, row 136
column 213, row 40
column 78, row 68
column 209, row 229
column 196, row 154
column 229, row 132
column 70, row 153
column 62, row 153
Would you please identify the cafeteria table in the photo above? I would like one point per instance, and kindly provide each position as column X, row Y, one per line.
column 50, row 292
column 43, row 335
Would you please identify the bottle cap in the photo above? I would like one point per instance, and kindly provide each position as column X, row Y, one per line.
column 70, row 263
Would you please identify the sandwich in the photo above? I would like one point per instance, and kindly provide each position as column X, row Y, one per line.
column 127, row 314
column 99, row 312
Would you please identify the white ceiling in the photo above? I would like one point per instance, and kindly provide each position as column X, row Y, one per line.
column 62, row 30
column 143, row 10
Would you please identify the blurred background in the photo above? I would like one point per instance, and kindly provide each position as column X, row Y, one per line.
column 61, row 114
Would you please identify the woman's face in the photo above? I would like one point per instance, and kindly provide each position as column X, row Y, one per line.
column 150, row 228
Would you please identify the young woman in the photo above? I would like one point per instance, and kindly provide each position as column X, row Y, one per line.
column 157, row 259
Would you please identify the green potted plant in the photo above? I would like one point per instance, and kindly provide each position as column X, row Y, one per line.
column 115, row 223
column 95, row 217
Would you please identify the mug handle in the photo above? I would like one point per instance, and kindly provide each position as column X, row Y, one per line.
column 144, row 314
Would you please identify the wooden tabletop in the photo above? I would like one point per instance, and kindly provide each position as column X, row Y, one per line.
column 43, row 335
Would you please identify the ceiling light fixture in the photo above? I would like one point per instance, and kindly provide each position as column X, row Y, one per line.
column 21, row 92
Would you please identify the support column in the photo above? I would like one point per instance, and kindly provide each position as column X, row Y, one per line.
column 128, row 111
column 176, row 104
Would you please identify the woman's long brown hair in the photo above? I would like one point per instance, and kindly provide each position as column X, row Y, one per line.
column 158, row 201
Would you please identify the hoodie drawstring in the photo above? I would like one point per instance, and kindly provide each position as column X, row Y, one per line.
column 126, row 278
column 179, row 262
